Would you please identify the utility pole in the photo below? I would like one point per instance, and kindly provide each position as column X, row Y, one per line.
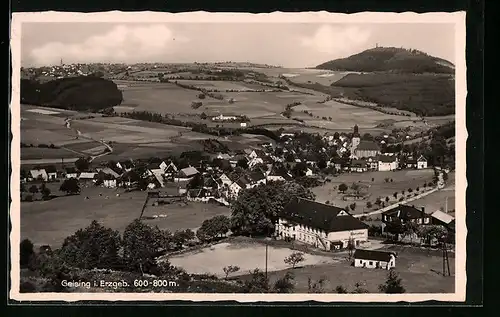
column 446, row 261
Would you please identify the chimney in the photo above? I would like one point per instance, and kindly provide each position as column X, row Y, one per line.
column 423, row 214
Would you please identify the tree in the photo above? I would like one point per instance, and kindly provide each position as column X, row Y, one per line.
column 343, row 187
column 33, row 189
column 196, row 182
column 378, row 201
column 294, row 259
column 284, row 284
column 181, row 237
column 203, row 116
column 93, row 247
column 26, row 253
column 82, row 164
column 230, row 269
column 213, row 228
column 351, row 246
column 369, row 205
column 256, row 209
column 258, row 283
column 45, row 191
column 359, row 289
column 243, row 163
column 356, row 188
column 70, row 186
column 300, row 169
column 352, row 206
column 395, row 195
column 322, row 163
column 316, row 287
column 341, row 290
column 387, row 199
column 393, row 284
column 141, row 245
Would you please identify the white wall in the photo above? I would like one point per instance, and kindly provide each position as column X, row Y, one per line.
column 310, row 236
column 370, row 264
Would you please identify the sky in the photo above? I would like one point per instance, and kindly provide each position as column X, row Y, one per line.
column 280, row 44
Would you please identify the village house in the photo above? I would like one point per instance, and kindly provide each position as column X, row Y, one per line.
column 86, row 176
column 108, row 171
column 109, row 181
column 367, row 149
column 358, row 166
column 170, row 170
column 222, row 117
column 372, row 164
column 71, row 172
column 278, row 174
column 223, row 156
column 51, row 173
column 39, row 174
column 421, row 162
column 234, row 160
column 443, row 219
column 374, row 259
column 247, row 181
column 186, row 174
column 125, row 166
column 387, row 163
column 406, row 213
column 323, row 226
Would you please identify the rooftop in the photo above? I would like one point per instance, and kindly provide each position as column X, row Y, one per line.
column 373, row 255
column 321, row 216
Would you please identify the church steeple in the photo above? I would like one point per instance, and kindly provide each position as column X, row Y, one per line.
column 356, row 131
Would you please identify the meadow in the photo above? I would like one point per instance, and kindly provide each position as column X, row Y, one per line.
column 64, row 215
column 378, row 188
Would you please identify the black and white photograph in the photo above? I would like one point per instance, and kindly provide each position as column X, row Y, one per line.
column 248, row 157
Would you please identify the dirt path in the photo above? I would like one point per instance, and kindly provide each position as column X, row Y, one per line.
column 80, row 134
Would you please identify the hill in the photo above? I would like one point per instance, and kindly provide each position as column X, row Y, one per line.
column 391, row 59
column 83, row 93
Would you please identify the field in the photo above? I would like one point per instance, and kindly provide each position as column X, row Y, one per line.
column 402, row 180
column 158, row 97
column 247, row 256
column 64, row 215
column 418, row 270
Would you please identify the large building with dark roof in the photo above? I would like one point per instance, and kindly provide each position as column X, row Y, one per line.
column 366, row 149
column 323, row 226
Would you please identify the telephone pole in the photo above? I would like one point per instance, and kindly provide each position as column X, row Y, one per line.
column 446, row 261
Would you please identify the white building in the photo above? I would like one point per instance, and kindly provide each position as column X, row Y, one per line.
column 320, row 225
column 387, row 163
column 421, row 162
column 222, row 117
column 39, row 174
column 374, row 259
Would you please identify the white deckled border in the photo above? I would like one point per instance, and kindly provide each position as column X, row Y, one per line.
column 457, row 18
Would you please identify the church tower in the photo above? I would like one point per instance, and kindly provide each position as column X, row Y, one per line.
column 356, row 139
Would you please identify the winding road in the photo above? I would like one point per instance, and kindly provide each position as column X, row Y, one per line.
column 80, row 134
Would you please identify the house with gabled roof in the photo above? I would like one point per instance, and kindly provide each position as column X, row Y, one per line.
column 374, row 259
column 421, row 162
column 366, row 149
column 71, row 172
column 125, row 166
column 321, row 225
column 51, row 171
column 387, row 163
column 443, row 219
column 39, row 174
column 278, row 174
column 359, row 166
column 406, row 213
